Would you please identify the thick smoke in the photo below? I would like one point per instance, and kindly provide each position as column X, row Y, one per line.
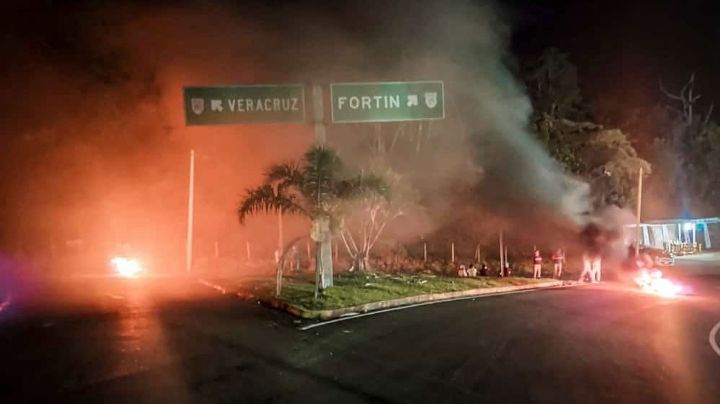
column 104, row 157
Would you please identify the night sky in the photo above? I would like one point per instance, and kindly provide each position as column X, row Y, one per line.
column 622, row 48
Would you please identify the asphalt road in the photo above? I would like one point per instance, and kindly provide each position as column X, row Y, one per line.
column 174, row 341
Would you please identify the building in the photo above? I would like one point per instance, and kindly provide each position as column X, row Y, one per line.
column 664, row 233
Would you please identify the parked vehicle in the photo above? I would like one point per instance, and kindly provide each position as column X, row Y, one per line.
column 660, row 257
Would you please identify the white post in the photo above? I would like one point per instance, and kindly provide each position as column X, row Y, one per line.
column 706, row 233
column 452, row 252
column 425, row 252
column 502, row 254
column 191, row 198
column 280, row 231
column 639, row 210
column 680, row 233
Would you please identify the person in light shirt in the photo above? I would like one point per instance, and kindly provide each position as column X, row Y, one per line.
column 537, row 264
column 558, row 261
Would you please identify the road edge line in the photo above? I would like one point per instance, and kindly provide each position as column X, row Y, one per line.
column 410, row 306
column 713, row 338
column 215, row 286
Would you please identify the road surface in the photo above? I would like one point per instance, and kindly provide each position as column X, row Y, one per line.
column 175, row 341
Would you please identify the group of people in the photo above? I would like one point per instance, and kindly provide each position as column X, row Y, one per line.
column 472, row 271
column 558, row 259
column 592, row 267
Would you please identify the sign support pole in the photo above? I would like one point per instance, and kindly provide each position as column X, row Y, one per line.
column 191, row 198
column 318, row 115
column 324, row 251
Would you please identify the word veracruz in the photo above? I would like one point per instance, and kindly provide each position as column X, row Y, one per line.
column 244, row 104
column 387, row 101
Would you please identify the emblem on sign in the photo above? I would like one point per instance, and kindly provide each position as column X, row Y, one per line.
column 412, row 100
column 431, row 100
column 197, row 105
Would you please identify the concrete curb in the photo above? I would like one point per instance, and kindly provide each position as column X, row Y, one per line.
column 437, row 297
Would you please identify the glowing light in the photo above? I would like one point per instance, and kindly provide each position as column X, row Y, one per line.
column 688, row 226
column 126, row 267
column 654, row 283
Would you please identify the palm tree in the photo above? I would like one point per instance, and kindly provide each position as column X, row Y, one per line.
column 316, row 187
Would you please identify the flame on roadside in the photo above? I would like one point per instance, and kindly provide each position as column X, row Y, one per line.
column 652, row 281
column 126, row 267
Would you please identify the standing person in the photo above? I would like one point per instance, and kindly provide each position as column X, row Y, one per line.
column 596, row 268
column 537, row 264
column 587, row 268
column 558, row 261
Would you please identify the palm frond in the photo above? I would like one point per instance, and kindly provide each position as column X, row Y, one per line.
column 321, row 172
column 364, row 185
column 285, row 175
column 264, row 199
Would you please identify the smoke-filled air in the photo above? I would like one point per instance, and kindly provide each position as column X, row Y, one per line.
column 96, row 149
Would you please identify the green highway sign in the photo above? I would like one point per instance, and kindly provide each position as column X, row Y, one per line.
column 284, row 103
column 387, row 101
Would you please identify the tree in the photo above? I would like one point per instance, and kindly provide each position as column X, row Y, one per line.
column 564, row 139
column 315, row 187
column 689, row 136
column 611, row 164
column 605, row 158
column 372, row 212
column 552, row 84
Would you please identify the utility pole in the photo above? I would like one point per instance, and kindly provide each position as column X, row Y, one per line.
column 639, row 210
column 191, row 199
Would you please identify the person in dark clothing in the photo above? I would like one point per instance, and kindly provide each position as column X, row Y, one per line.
column 484, row 269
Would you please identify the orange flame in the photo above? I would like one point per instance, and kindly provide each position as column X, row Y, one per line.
column 654, row 283
column 126, row 267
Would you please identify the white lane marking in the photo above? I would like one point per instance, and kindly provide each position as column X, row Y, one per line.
column 713, row 338
column 351, row 316
column 219, row 288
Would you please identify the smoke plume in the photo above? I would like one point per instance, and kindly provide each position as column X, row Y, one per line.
column 96, row 147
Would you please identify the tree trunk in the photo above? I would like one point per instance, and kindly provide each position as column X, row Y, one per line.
column 324, row 264
column 361, row 262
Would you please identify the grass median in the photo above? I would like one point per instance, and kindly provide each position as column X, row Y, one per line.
column 354, row 289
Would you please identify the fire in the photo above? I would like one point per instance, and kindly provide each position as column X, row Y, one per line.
column 653, row 282
column 126, row 267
